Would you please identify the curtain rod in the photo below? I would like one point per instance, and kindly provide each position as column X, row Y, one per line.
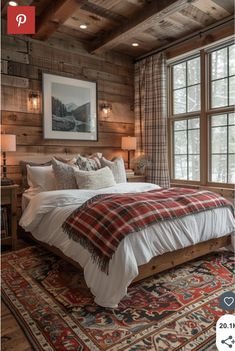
column 186, row 38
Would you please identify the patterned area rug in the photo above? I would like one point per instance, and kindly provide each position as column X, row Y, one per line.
column 175, row 310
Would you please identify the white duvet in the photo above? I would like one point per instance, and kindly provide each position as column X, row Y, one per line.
column 47, row 211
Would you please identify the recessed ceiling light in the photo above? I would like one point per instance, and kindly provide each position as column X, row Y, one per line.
column 135, row 44
column 83, row 26
column 12, row 3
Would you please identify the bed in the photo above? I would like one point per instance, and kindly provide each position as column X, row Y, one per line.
column 156, row 248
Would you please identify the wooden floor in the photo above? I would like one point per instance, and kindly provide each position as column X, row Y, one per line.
column 12, row 336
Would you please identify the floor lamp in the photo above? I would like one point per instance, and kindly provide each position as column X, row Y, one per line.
column 8, row 143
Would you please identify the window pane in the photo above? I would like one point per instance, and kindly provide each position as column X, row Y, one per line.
column 232, row 59
column 222, row 147
column 180, row 125
column 219, row 93
column 219, row 168
column 193, row 103
column 231, row 142
column 231, row 169
column 232, row 91
column 219, row 140
column 194, row 71
column 180, row 101
column 179, row 75
column 187, row 149
column 194, row 167
column 232, row 118
column 220, row 120
column 193, row 141
column 219, row 64
column 180, row 167
column 180, row 142
column 193, row 123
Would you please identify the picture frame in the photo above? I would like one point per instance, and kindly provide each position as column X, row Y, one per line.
column 69, row 108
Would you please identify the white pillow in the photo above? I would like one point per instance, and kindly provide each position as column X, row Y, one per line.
column 117, row 167
column 40, row 178
column 102, row 178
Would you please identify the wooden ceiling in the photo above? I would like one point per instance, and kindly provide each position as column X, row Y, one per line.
column 116, row 24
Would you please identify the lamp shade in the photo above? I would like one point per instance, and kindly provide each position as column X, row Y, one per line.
column 8, row 142
column 128, row 143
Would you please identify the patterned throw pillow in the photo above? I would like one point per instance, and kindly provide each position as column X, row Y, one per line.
column 89, row 163
column 117, row 167
column 102, row 178
column 64, row 175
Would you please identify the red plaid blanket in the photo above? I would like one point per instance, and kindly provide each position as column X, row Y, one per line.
column 103, row 221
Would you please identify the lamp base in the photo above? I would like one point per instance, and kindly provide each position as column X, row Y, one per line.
column 6, row 181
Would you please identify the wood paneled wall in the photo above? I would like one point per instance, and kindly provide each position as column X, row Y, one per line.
column 24, row 60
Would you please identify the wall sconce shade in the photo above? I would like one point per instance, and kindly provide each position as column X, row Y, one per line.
column 34, row 100
column 106, row 109
column 129, row 144
column 8, row 143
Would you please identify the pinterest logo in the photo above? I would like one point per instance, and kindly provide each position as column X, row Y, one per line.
column 21, row 20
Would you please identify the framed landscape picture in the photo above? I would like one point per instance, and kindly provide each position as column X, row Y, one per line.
column 69, row 108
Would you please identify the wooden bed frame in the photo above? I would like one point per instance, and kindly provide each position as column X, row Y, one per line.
column 159, row 263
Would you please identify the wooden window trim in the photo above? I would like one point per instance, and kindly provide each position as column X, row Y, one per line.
column 204, row 115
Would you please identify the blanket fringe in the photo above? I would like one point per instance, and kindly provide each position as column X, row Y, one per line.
column 97, row 256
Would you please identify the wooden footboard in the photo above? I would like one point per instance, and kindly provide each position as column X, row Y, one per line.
column 159, row 263
column 171, row 259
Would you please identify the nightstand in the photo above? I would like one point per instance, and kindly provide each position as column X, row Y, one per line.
column 136, row 178
column 9, row 215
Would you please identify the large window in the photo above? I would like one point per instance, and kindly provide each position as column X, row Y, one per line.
column 201, row 118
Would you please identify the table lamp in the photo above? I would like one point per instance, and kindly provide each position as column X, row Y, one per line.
column 8, row 143
column 129, row 144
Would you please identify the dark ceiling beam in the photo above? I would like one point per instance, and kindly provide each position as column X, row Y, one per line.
column 54, row 15
column 103, row 12
column 153, row 13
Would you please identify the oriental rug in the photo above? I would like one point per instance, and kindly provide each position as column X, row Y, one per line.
column 174, row 310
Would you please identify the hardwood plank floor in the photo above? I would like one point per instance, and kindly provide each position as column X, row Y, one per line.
column 12, row 336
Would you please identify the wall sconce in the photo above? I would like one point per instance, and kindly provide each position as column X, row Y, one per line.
column 34, row 101
column 106, row 110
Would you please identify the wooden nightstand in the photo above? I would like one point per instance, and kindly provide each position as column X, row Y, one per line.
column 8, row 215
column 136, row 178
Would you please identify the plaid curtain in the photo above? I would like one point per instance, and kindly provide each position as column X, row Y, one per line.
column 151, row 117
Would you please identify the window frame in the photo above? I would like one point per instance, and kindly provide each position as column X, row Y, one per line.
column 204, row 114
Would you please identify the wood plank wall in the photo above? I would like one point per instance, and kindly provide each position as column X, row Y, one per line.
column 24, row 60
